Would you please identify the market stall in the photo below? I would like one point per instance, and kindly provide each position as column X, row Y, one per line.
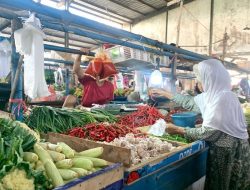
column 111, row 146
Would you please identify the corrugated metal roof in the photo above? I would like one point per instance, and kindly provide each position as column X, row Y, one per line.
column 114, row 7
column 156, row 3
column 113, row 11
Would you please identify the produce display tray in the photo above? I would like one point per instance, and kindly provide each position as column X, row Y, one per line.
column 162, row 172
column 109, row 178
column 122, row 155
column 111, row 153
column 179, row 154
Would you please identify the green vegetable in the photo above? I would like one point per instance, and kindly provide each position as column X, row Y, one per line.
column 47, row 119
column 80, row 171
column 42, row 154
column 66, row 150
column 56, row 156
column 12, row 145
column 54, row 147
column 53, row 173
column 40, row 166
column 67, row 174
column 94, row 152
column 30, row 157
column 174, row 138
column 97, row 162
column 10, row 129
column 83, row 163
column 64, row 164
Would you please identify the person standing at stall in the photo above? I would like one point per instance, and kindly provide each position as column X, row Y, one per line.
column 224, row 127
column 95, row 90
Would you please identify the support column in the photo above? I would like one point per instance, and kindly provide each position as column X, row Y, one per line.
column 166, row 33
column 174, row 64
column 211, row 27
column 18, row 94
column 66, row 44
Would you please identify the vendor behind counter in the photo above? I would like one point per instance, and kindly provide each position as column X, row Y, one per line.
column 96, row 81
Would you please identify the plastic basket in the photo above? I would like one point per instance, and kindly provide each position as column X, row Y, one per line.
column 185, row 119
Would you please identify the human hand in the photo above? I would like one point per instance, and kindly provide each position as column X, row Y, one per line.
column 156, row 92
column 173, row 129
column 85, row 50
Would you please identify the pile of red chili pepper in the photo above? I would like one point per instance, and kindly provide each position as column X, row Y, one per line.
column 102, row 131
column 144, row 116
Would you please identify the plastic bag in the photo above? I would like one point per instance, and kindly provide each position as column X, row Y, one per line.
column 33, row 51
column 101, row 66
column 108, row 70
column 23, row 46
column 156, row 80
column 95, row 67
column 158, row 129
column 5, row 58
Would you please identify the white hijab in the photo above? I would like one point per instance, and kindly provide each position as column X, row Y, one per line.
column 219, row 106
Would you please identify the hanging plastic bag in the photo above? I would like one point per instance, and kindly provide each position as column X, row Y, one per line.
column 5, row 58
column 156, row 80
column 33, row 51
column 23, row 41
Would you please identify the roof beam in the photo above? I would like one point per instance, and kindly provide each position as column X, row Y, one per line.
column 127, row 7
column 5, row 24
column 104, row 12
column 162, row 10
column 70, row 38
column 144, row 3
column 91, row 13
column 104, row 8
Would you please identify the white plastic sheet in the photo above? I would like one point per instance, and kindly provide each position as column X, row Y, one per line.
column 5, row 58
column 29, row 42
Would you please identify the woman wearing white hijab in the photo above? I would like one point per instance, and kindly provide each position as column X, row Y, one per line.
column 224, row 128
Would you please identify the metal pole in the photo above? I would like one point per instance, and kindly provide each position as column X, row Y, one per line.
column 174, row 64
column 66, row 50
column 166, row 33
column 211, row 27
column 62, row 61
column 67, row 82
column 14, row 83
column 18, row 94
column 66, row 40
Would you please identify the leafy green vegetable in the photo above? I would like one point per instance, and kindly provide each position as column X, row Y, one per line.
column 47, row 119
column 10, row 129
column 175, row 138
column 13, row 141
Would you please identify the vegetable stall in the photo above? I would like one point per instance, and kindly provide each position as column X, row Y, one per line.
column 62, row 148
column 72, row 148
